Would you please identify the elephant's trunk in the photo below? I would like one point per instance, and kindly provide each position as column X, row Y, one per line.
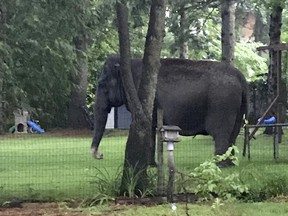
column 101, row 111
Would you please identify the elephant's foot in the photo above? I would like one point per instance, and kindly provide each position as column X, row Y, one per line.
column 226, row 163
column 97, row 155
column 152, row 164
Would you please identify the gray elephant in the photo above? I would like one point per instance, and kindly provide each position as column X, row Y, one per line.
column 201, row 97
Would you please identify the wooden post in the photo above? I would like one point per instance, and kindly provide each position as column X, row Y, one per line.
column 248, row 148
column 160, row 172
column 279, row 104
column 246, row 140
column 276, row 142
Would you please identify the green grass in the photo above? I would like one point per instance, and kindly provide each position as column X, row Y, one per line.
column 44, row 167
column 230, row 209
column 53, row 167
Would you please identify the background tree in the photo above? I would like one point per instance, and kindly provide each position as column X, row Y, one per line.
column 76, row 115
column 276, row 59
column 2, row 26
column 228, row 30
column 41, row 64
column 186, row 21
column 41, row 71
column 141, row 102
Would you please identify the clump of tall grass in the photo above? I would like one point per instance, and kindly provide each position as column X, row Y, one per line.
column 107, row 185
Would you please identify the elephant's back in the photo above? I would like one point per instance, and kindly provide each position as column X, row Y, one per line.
column 188, row 90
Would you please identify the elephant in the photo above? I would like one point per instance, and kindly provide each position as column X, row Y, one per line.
column 201, row 97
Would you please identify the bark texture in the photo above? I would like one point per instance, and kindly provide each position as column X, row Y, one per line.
column 184, row 47
column 76, row 117
column 275, row 61
column 140, row 102
column 2, row 23
column 228, row 30
column 260, row 30
column 274, row 35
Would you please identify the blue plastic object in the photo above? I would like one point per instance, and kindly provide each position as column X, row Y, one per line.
column 271, row 120
column 35, row 127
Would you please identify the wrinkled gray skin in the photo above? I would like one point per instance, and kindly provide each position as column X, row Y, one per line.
column 201, row 97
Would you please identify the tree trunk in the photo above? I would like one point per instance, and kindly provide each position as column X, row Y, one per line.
column 76, row 116
column 228, row 30
column 184, row 48
column 2, row 23
column 141, row 102
column 260, row 29
column 1, row 98
column 275, row 63
column 274, row 35
column 134, row 147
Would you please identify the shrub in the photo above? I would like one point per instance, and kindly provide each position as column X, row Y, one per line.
column 208, row 181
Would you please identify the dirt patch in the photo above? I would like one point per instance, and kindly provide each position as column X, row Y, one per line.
column 38, row 209
column 152, row 201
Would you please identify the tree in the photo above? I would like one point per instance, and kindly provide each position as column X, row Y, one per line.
column 184, row 47
column 76, row 115
column 260, row 28
column 43, row 66
column 35, row 51
column 228, row 30
column 2, row 23
column 141, row 102
column 275, row 61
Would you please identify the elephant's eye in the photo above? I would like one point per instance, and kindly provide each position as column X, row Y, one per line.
column 117, row 66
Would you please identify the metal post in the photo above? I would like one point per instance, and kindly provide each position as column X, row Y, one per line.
column 171, row 167
column 170, row 134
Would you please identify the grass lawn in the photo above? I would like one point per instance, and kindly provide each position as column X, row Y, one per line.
column 230, row 209
column 49, row 167
column 203, row 209
column 60, row 167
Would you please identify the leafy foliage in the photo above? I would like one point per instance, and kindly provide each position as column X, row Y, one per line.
column 41, row 63
column 208, row 181
column 38, row 56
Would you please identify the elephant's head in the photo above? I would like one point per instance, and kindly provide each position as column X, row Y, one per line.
column 110, row 93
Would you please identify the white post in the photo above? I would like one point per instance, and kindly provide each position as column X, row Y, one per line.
column 171, row 167
column 170, row 134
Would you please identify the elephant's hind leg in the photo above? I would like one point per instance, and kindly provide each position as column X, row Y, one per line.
column 236, row 129
column 220, row 128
